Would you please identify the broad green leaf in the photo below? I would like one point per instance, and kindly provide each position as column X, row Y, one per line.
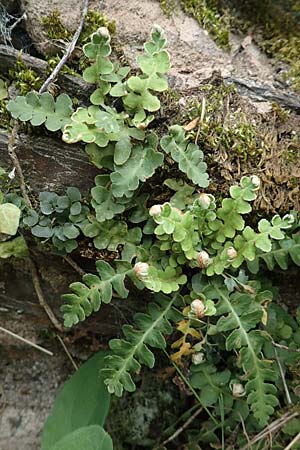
column 86, row 438
column 82, row 401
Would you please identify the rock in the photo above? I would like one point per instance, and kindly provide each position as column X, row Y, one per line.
column 69, row 11
column 194, row 55
column 11, row 6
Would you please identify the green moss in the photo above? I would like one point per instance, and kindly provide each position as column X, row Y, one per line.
column 168, row 6
column 4, row 114
column 54, row 28
column 211, row 17
column 237, row 140
column 234, row 136
column 56, row 31
column 25, row 79
column 93, row 21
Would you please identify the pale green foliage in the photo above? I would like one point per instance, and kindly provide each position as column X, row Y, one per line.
column 9, row 218
column 103, row 201
column 39, row 109
column 94, row 290
column 111, row 233
column 154, row 64
column 166, row 281
column 129, row 353
column 281, row 253
column 191, row 246
column 141, row 165
column 188, row 156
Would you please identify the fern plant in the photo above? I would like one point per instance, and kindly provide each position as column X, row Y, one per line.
column 196, row 258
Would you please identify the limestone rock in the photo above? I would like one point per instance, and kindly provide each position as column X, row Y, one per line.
column 69, row 11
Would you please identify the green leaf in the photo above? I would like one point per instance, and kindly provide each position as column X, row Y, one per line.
column 166, row 281
column 16, row 247
column 82, row 401
column 141, row 165
column 86, row 297
column 98, row 50
column 42, row 108
column 128, row 354
column 88, row 438
column 105, row 204
column 183, row 195
column 188, row 156
column 210, row 382
column 243, row 315
column 9, row 218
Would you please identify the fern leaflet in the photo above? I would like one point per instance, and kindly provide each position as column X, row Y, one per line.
column 128, row 354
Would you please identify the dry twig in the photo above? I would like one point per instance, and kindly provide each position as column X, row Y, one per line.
column 75, row 266
column 274, row 426
column 286, row 389
column 13, row 156
column 296, row 438
column 67, row 352
column 40, row 295
column 182, row 428
column 69, row 51
column 32, row 344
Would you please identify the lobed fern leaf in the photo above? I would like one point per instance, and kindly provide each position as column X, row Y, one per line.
column 42, row 108
column 94, row 290
column 281, row 254
column 240, row 314
column 188, row 156
column 129, row 353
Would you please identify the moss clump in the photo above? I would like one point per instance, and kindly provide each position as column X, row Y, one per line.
column 4, row 114
column 57, row 32
column 237, row 140
column 54, row 28
column 212, row 17
column 25, row 79
column 168, row 6
column 93, row 21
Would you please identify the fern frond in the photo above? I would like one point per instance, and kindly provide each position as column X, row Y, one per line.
column 188, row 156
column 282, row 253
column 129, row 353
column 240, row 314
column 94, row 290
